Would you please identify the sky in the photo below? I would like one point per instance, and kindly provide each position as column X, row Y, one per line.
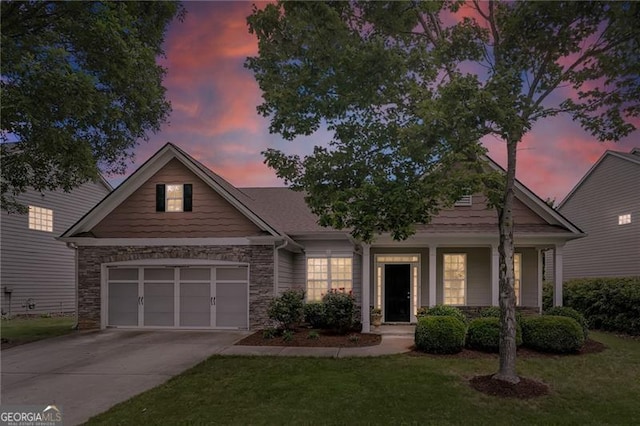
column 214, row 116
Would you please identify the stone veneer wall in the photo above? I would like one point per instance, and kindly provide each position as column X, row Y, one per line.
column 90, row 259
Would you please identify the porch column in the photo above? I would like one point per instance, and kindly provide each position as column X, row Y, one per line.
column 540, row 261
column 366, row 288
column 495, row 275
column 557, row 275
column 433, row 258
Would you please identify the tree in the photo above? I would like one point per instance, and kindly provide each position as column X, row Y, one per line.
column 408, row 91
column 80, row 87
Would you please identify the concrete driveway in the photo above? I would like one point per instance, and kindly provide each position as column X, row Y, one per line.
column 87, row 373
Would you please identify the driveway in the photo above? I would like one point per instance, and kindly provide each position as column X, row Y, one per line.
column 87, row 373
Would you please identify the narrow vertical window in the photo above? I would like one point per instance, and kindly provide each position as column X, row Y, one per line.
column 40, row 219
column 175, row 198
column 517, row 276
column 455, row 279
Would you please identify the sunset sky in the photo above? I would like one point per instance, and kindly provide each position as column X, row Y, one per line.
column 214, row 117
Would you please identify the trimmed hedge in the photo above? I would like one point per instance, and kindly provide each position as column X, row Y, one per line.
column 611, row 304
column 484, row 334
column 444, row 310
column 564, row 311
column 440, row 334
column 549, row 333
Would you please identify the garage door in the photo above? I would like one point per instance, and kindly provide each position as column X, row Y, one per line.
column 192, row 297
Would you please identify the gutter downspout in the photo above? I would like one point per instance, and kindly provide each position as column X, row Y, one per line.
column 276, row 261
column 74, row 247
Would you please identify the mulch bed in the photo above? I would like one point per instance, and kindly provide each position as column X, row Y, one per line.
column 324, row 339
column 524, row 389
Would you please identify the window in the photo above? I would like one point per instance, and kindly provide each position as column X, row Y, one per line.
column 40, row 219
column 324, row 274
column 517, row 274
column 455, row 278
column 624, row 219
column 464, row 201
column 174, row 198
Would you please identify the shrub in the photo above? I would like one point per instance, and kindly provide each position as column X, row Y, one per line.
column 449, row 311
column 549, row 333
column 422, row 312
column 315, row 315
column 340, row 310
column 288, row 309
column 440, row 334
column 607, row 303
column 313, row 335
column 494, row 312
column 287, row 335
column 269, row 333
column 547, row 295
column 484, row 334
column 564, row 311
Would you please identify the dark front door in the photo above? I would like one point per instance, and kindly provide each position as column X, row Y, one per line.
column 397, row 296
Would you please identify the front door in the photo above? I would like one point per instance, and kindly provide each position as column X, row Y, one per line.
column 397, row 292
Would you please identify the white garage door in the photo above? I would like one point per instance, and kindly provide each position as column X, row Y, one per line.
column 192, row 297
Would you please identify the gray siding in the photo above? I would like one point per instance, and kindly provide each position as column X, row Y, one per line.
column 33, row 264
column 285, row 271
column 529, row 291
column 611, row 189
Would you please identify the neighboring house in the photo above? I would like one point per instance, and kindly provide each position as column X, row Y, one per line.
column 177, row 246
column 37, row 271
column 605, row 204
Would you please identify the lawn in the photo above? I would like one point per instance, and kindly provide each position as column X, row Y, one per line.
column 20, row 330
column 600, row 388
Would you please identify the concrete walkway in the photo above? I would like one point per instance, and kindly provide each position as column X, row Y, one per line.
column 87, row 373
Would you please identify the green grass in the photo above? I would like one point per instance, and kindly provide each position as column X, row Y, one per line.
column 594, row 389
column 23, row 330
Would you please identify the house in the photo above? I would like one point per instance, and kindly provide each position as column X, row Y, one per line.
column 37, row 271
column 605, row 204
column 175, row 245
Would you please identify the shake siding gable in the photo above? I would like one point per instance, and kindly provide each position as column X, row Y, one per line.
column 211, row 215
column 479, row 213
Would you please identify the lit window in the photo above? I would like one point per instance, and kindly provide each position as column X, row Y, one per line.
column 624, row 219
column 517, row 275
column 455, row 278
column 324, row 274
column 40, row 219
column 465, row 200
column 175, row 197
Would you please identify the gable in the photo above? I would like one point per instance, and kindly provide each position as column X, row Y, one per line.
column 211, row 215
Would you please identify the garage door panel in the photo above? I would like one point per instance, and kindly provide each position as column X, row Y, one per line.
column 123, row 304
column 195, row 304
column 231, row 305
column 158, row 304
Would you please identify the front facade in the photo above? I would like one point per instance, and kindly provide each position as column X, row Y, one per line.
column 177, row 246
column 37, row 271
column 605, row 204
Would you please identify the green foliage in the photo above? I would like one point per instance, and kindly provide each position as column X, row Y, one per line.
column 494, row 312
column 484, row 334
column 422, row 311
column 444, row 310
column 564, row 311
column 354, row 338
column 269, row 333
column 440, row 334
column 607, row 303
column 313, row 335
column 547, row 295
column 80, row 87
column 555, row 334
column 314, row 314
column 288, row 309
column 340, row 311
column 287, row 335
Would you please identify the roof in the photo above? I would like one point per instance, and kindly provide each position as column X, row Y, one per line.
column 283, row 212
column 633, row 156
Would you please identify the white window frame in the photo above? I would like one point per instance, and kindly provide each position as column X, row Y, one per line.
column 517, row 278
column 171, row 201
column 40, row 219
column 445, row 280
column 624, row 219
column 329, row 281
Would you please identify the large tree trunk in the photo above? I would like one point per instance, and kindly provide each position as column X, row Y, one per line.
column 507, row 371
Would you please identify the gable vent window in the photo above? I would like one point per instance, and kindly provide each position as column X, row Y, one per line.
column 464, row 201
column 624, row 219
column 40, row 219
column 174, row 198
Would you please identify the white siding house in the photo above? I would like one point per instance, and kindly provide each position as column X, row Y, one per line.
column 37, row 271
column 605, row 204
